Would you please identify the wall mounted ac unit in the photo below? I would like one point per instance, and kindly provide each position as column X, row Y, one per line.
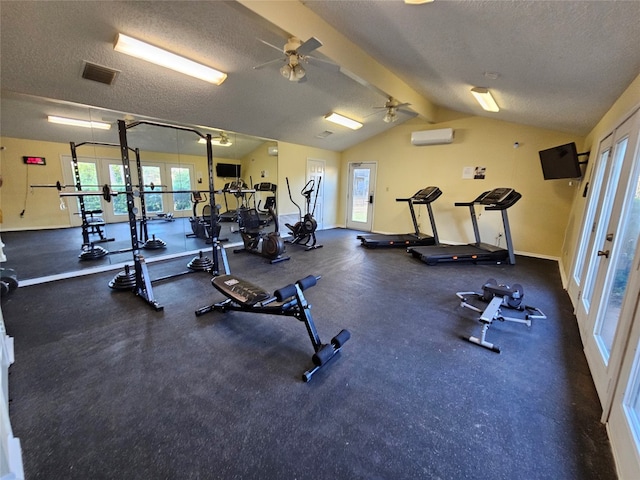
column 432, row 137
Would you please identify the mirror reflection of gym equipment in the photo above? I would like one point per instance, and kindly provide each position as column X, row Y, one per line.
column 478, row 252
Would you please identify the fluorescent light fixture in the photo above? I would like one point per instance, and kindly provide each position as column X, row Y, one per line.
column 484, row 98
column 417, row 2
column 144, row 51
column 342, row 120
column 78, row 123
column 216, row 141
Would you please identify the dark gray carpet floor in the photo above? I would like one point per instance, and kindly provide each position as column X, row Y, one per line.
column 104, row 387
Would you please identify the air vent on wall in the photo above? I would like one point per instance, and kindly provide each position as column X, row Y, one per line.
column 99, row 73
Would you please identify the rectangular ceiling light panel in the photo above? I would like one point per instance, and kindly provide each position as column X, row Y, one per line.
column 144, row 51
column 73, row 122
column 342, row 120
column 485, row 99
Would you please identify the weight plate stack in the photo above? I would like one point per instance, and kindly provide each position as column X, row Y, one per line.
column 124, row 280
column 154, row 244
column 93, row 253
column 200, row 263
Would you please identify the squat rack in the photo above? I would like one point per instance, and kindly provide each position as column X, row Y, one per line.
column 143, row 283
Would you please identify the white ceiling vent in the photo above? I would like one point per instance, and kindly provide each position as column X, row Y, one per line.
column 432, row 137
column 324, row 134
column 99, row 73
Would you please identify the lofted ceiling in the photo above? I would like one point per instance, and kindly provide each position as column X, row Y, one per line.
column 553, row 64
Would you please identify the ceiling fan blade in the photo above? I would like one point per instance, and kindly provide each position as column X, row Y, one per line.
column 325, row 64
column 309, row 46
column 270, row 45
column 270, row 62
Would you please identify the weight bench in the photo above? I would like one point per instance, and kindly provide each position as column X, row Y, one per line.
column 498, row 296
column 289, row 301
column 94, row 222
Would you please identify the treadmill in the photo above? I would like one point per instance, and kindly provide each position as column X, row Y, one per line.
column 231, row 215
column 422, row 197
column 497, row 199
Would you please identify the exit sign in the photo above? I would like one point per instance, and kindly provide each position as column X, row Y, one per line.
column 34, row 160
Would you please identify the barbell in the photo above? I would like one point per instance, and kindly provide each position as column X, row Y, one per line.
column 107, row 193
column 59, row 186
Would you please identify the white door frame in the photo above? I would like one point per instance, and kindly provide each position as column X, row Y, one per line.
column 605, row 366
column 316, row 169
column 366, row 226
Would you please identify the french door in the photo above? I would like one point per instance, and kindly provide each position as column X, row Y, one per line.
column 362, row 186
column 605, row 258
column 164, row 176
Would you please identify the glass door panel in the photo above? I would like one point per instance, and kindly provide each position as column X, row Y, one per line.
column 602, row 222
column 89, row 180
column 119, row 202
column 361, row 195
column 153, row 202
column 181, row 180
column 629, row 229
column 593, row 202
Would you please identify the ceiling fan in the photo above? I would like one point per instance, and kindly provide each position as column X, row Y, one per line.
column 295, row 52
column 392, row 107
column 221, row 139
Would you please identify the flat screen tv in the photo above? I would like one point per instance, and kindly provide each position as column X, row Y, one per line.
column 560, row 162
column 229, row 170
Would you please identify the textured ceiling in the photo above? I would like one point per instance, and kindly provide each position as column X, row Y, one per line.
column 560, row 65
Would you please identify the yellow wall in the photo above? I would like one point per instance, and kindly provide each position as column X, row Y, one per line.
column 623, row 107
column 537, row 221
column 292, row 164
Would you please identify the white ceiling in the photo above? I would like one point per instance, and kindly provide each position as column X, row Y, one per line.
column 560, row 64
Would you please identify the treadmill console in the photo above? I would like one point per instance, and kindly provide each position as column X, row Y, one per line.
column 495, row 196
column 427, row 195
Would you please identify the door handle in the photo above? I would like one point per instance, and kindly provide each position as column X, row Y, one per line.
column 370, row 198
column 604, row 253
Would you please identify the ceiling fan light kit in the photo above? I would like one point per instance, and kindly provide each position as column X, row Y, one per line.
column 390, row 116
column 293, row 73
column 485, row 99
column 144, row 51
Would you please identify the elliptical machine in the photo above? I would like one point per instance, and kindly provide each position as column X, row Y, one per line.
column 304, row 231
column 201, row 225
column 269, row 245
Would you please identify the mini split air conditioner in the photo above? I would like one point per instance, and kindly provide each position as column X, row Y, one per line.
column 432, row 137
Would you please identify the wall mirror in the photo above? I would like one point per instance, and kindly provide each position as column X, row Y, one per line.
column 47, row 241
